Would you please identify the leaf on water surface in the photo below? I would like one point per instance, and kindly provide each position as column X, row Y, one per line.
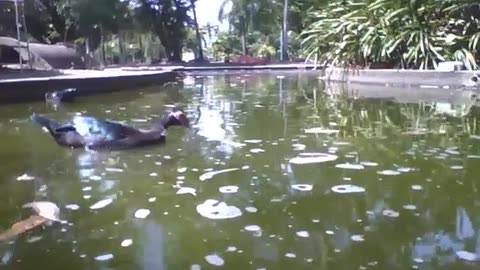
column 320, row 130
column 214, row 209
column 467, row 256
column 101, row 204
column 187, row 190
column 350, row 166
column 25, row 177
column 209, row 175
column 45, row 209
column 23, row 226
column 317, row 158
column 348, row 189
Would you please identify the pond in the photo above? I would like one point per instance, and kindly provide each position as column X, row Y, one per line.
column 280, row 171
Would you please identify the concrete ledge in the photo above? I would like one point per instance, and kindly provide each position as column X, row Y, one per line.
column 422, row 78
column 399, row 94
column 86, row 81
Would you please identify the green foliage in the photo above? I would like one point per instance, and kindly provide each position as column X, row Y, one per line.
column 409, row 33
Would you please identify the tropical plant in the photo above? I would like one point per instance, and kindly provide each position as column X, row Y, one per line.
column 406, row 33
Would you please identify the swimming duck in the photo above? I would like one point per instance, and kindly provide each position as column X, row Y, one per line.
column 65, row 95
column 92, row 133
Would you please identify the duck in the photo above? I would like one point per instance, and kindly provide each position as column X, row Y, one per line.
column 65, row 95
column 85, row 131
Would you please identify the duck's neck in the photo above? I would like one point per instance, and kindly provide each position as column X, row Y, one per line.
column 160, row 124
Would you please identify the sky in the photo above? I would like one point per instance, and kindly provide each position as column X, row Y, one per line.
column 207, row 11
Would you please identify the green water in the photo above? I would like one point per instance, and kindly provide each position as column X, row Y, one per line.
column 415, row 173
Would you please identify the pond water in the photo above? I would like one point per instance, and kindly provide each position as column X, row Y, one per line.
column 281, row 171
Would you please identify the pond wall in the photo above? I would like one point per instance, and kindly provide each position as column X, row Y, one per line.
column 87, row 82
column 421, row 78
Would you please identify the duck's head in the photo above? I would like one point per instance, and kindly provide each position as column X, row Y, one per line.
column 177, row 117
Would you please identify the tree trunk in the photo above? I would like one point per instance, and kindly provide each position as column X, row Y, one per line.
column 121, row 48
column 102, row 43
column 284, row 37
column 244, row 44
column 199, row 38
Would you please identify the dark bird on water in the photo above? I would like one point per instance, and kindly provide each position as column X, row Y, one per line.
column 65, row 95
column 89, row 132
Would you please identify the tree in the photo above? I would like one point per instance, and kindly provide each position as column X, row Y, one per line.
column 168, row 19
column 197, row 31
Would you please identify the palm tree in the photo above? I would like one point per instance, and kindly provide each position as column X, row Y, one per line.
column 197, row 31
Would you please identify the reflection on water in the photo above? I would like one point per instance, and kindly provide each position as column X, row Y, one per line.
column 281, row 171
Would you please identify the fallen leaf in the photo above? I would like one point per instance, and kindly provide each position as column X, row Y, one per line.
column 22, row 226
column 48, row 210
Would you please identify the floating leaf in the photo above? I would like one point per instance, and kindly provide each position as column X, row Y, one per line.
column 22, row 226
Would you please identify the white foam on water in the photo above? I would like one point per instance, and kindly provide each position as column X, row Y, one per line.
column 302, row 187
column 388, row 172
column 357, row 238
column 303, row 234
column 467, row 256
column 350, row 166
column 152, row 199
column 390, row 213
column 213, row 209
column 182, row 170
column 305, row 158
column 320, row 130
column 209, row 175
column 101, row 204
column 348, row 189
column 25, row 177
column 126, row 243
column 214, row 259
column 187, row 190
column 417, row 187
column 256, row 150
column 228, row 189
column 252, row 141
column 251, row 209
column 252, row 228
column 290, row 255
column 104, row 257
column 369, row 163
column 73, row 207
column 142, row 213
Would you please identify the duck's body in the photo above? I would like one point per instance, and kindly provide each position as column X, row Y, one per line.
column 93, row 133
